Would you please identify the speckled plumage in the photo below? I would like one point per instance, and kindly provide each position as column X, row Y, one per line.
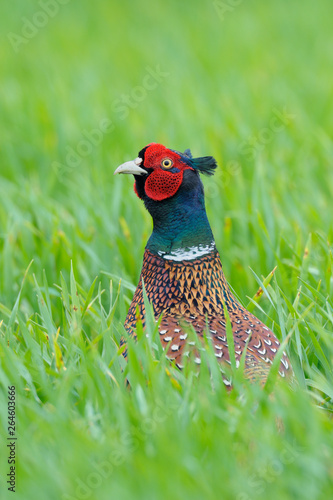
column 182, row 270
column 187, row 293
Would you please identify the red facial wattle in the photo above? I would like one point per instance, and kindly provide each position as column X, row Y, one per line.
column 161, row 184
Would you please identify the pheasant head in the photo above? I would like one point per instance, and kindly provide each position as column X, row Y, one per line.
column 169, row 184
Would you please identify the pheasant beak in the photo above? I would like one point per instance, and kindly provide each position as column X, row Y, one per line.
column 131, row 167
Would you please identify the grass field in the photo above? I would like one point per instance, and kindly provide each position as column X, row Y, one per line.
column 84, row 86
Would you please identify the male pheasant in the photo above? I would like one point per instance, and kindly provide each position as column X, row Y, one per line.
column 182, row 270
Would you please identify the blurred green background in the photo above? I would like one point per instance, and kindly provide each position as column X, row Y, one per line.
column 84, row 86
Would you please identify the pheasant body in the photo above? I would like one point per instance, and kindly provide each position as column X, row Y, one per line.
column 192, row 294
column 182, row 271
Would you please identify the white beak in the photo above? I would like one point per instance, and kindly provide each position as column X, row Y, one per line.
column 131, row 167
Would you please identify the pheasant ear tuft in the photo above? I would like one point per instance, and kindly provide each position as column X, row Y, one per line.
column 188, row 153
column 205, row 164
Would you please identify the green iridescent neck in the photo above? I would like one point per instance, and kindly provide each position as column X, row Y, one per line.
column 181, row 226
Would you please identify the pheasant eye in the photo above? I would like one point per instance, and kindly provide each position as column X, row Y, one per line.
column 167, row 163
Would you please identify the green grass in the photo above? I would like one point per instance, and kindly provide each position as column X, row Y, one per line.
column 70, row 233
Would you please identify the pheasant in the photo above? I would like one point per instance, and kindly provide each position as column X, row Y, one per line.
column 182, row 271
